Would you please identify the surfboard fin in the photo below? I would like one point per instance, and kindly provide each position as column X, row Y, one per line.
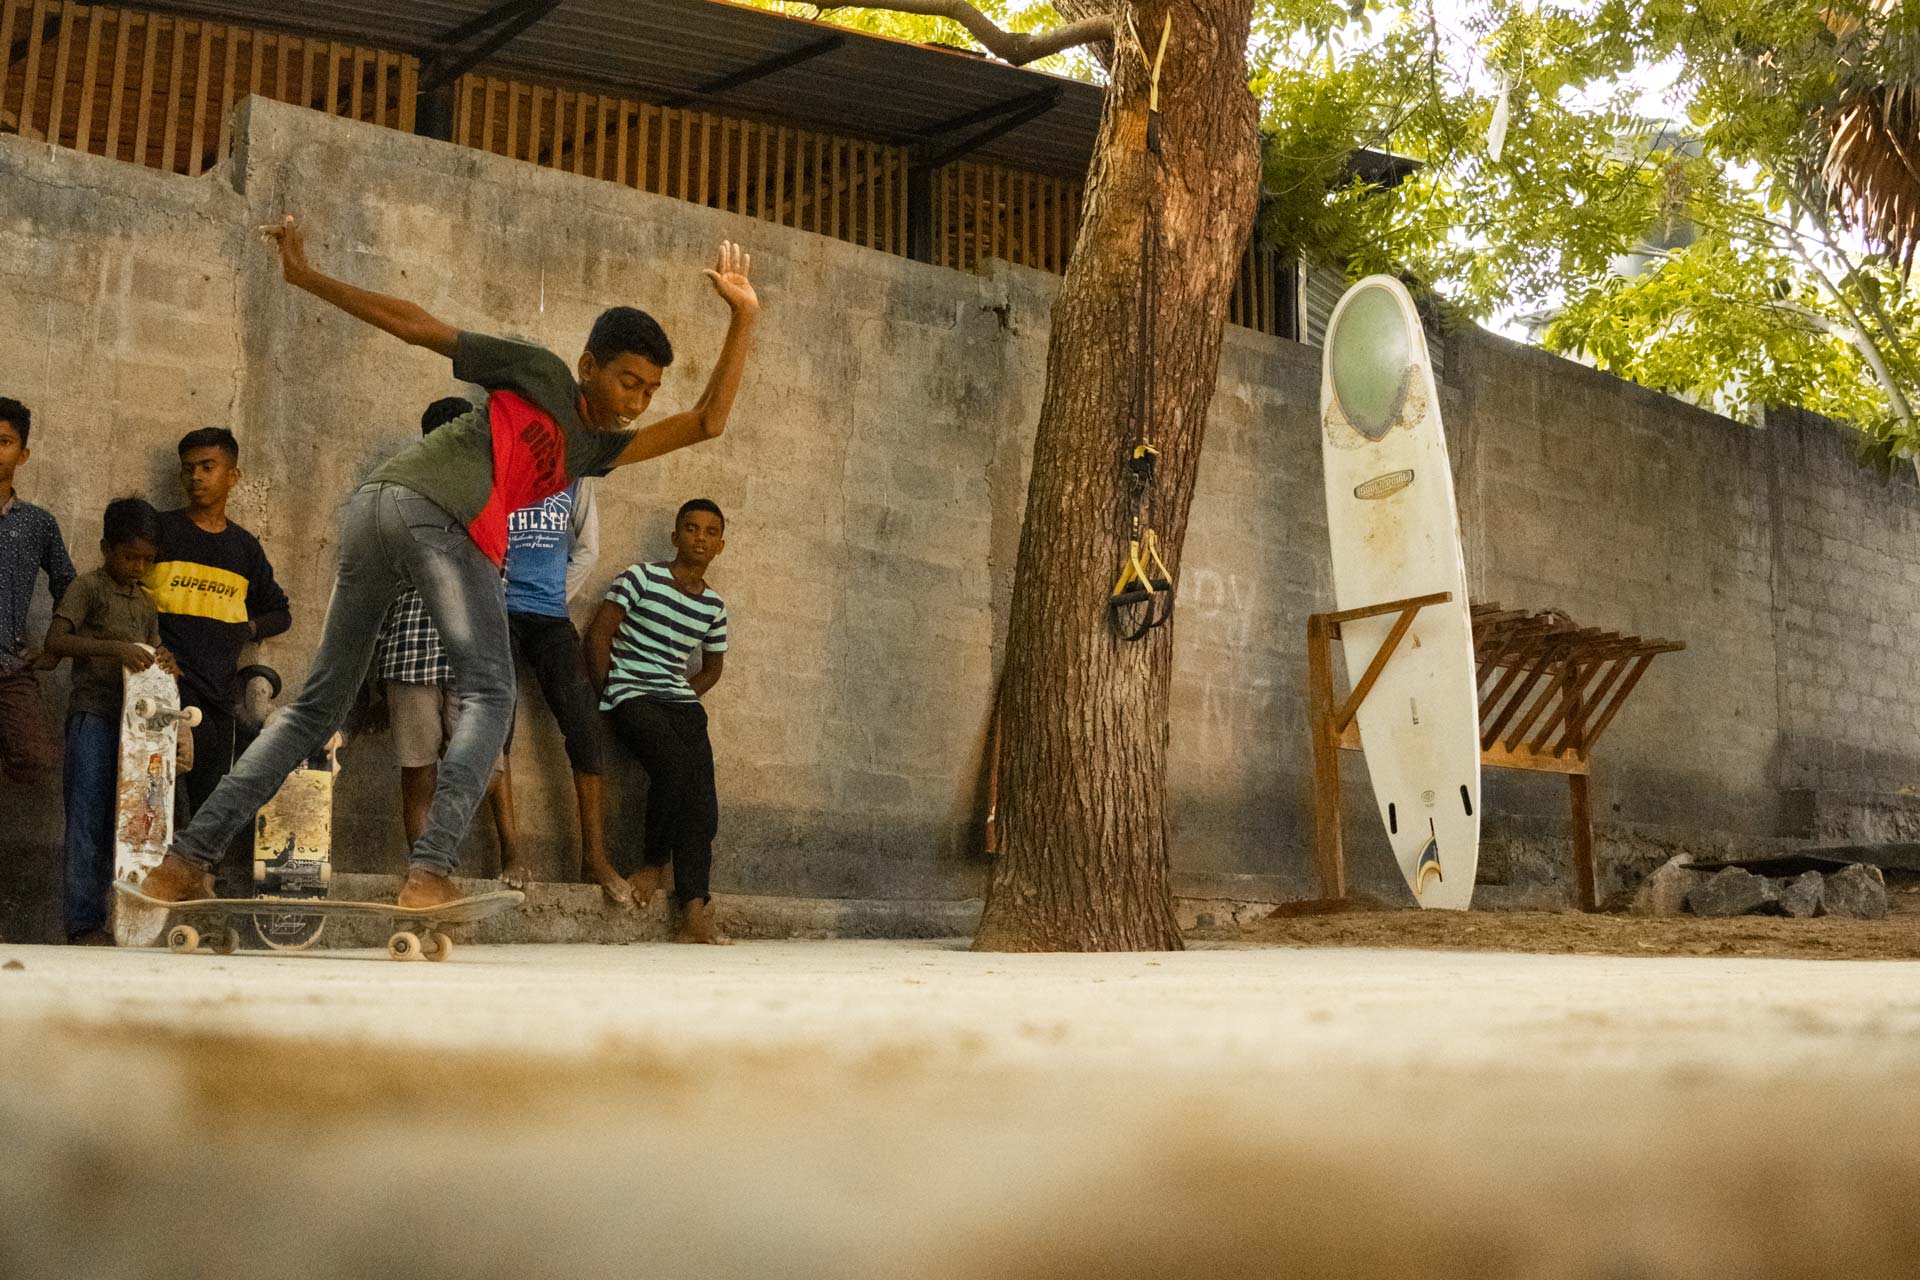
column 1428, row 865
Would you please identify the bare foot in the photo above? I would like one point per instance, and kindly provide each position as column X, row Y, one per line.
column 618, row 891
column 645, row 883
column 428, row 889
column 698, row 927
column 513, row 875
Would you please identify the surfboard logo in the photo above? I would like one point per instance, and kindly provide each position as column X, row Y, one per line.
column 1428, row 864
column 1383, row 486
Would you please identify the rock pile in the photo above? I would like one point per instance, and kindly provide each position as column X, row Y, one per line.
column 1856, row 892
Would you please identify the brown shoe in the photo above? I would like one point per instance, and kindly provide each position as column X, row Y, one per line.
column 428, row 889
column 646, row 883
column 699, row 927
column 177, row 879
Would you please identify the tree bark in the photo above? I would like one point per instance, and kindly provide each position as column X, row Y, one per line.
column 1082, row 772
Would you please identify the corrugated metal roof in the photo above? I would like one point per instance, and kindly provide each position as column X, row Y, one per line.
column 869, row 87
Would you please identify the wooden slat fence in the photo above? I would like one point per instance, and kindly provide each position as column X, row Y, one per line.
column 158, row 90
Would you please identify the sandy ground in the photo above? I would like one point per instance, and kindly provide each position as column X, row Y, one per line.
column 1575, row 933
column 853, row 1109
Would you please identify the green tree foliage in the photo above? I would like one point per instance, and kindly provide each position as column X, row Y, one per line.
column 1012, row 15
column 1747, row 289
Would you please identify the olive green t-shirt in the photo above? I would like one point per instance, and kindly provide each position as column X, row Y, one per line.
column 527, row 443
column 101, row 609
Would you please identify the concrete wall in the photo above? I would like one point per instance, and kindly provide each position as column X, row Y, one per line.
column 875, row 478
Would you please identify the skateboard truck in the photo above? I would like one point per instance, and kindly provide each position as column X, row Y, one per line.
column 157, row 719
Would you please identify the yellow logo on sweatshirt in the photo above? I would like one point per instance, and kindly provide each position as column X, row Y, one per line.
column 198, row 591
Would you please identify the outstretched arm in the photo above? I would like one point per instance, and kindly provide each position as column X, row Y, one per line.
column 405, row 320
column 708, row 417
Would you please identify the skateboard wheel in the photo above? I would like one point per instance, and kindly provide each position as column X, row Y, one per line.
column 183, row 938
column 143, row 708
column 226, row 942
column 190, row 717
column 438, row 946
column 403, row 946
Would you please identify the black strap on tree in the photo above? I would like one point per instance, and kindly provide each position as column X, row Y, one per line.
column 1142, row 598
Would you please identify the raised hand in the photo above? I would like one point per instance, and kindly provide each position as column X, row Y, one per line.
column 729, row 277
column 292, row 243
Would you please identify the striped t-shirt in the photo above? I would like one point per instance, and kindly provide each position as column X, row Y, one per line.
column 663, row 626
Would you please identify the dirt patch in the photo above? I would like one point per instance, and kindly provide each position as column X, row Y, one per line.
column 1573, row 933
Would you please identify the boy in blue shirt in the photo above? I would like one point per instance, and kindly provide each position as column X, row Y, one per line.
column 551, row 548
column 30, row 544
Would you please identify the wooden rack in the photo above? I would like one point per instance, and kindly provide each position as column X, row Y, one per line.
column 1548, row 690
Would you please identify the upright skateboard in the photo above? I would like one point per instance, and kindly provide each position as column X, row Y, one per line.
column 417, row 933
column 150, row 720
column 293, row 851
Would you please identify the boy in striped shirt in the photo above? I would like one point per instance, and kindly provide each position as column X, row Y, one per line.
column 654, row 618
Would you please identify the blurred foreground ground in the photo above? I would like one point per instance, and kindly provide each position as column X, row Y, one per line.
column 853, row 1109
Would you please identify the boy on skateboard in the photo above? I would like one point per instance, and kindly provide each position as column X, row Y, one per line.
column 434, row 516
column 415, row 682
column 106, row 623
column 30, row 544
column 654, row 617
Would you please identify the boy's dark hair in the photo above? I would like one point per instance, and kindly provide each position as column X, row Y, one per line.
column 620, row 330
column 211, row 438
column 442, row 411
column 130, row 518
column 12, row 411
column 700, row 504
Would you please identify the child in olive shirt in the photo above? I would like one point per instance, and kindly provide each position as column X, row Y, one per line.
column 106, row 624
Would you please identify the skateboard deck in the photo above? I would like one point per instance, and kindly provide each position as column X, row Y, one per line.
column 417, row 925
column 293, row 852
column 150, row 720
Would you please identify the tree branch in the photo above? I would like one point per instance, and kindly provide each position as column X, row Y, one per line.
column 1015, row 47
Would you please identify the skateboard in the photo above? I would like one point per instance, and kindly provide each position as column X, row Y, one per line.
column 150, row 720
column 417, row 935
column 293, row 851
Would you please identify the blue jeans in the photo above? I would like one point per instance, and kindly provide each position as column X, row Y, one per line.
column 391, row 537
column 91, row 789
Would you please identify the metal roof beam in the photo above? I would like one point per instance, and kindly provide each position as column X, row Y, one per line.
column 443, row 66
column 992, row 112
column 1022, row 110
column 758, row 71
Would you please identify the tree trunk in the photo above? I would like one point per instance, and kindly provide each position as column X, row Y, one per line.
column 1083, row 759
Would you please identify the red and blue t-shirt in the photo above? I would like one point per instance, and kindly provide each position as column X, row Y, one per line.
column 525, row 444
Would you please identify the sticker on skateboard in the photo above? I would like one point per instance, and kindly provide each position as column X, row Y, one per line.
column 150, row 720
column 417, row 935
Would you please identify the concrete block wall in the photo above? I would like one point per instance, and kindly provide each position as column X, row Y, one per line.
column 875, row 479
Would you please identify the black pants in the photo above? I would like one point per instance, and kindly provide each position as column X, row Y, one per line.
column 218, row 741
column 552, row 648
column 683, row 810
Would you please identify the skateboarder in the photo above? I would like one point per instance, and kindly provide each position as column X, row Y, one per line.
column 30, row 544
column 435, row 516
column 415, row 682
column 654, row 617
column 216, row 593
column 106, row 623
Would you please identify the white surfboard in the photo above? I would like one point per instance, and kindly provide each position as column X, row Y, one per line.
column 1395, row 534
